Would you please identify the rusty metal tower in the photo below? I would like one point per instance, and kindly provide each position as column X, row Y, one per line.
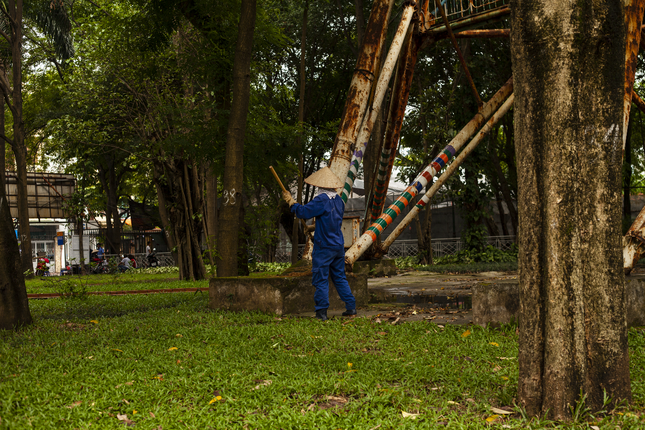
column 423, row 23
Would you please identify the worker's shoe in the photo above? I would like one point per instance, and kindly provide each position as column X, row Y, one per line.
column 349, row 313
column 321, row 314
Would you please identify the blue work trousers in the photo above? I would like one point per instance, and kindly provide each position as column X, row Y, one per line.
column 330, row 262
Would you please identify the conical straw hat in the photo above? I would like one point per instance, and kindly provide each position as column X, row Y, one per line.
column 325, row 178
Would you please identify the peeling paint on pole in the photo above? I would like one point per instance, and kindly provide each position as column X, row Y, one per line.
column 422, row 180
column 398, row 104
column 359, row 89
column 381, row 89
column 633, row 21
column 448, row 172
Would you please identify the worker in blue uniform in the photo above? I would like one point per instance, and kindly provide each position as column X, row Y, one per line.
column 328, row 256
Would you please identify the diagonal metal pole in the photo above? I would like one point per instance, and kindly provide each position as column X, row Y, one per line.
column 633, row 239
column 360, row 87
column 447, row 173
column 391, row 213
column 381, row 89
column 459, row 54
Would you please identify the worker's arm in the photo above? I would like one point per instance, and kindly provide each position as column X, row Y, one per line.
column 314, row 208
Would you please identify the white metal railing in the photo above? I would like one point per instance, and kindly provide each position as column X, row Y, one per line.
column 164, row 258
column 410, row 248
column 456, row 9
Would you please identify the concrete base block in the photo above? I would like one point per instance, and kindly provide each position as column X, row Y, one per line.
column 375, row 267
column 495, row 303
column 498, row 303
column 635, row 300
column 278, row 294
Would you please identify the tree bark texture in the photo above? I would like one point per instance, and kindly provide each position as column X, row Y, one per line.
column 14, row 306
column 181, row 199
column 569, row 68
column 227, row 263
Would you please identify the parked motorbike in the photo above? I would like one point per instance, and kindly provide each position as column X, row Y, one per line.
column 152, row 259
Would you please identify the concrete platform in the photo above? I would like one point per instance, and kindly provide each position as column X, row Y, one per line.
column 278, row 294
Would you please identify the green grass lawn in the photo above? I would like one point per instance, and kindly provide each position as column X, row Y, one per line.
column 167, row 360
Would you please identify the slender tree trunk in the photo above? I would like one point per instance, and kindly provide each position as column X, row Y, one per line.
column 3, row 146
column 19, row 148
column 360, row 22
column 230, row 226
column 211, row 212
column 569, row 70
column 301, row 118
column 14, row 306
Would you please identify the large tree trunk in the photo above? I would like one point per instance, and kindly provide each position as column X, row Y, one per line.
column 569, row 69
column 14, row 306
column 230, row 226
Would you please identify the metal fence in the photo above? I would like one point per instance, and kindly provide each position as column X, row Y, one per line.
column 164, row 258
column 410, row 248
column 456, row 9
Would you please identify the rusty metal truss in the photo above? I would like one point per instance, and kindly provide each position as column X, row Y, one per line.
column 423, row 23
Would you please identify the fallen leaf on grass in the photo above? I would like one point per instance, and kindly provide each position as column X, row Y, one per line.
column 409, row 415
column 94, row 321
column 492, row 418
column 215, row 399
column 382, row 333
column 494, row 343
column 377, row 321
column 152, row 415
column 595, row 427
column 172, row 348
column 466, row 333
column 125, row 420
column 73, row 405
column 261, row 383
column 450, row 402
column 500, row 411
column 506, row 358
column 116, row 350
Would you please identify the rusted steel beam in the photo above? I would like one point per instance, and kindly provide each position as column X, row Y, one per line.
column 390, row 214
column 638, row 101
column 381, row 89
column 398, row 104
column 501, row 32
column 633, row 240
column 462, row 60
column 633, row 20
column 447, row 173
column 359, row 89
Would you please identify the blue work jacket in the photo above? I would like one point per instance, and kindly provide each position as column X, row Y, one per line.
column 329, row 220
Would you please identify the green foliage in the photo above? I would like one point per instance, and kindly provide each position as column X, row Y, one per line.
column 489, row 254
column 406, row 262
column 269, row 267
